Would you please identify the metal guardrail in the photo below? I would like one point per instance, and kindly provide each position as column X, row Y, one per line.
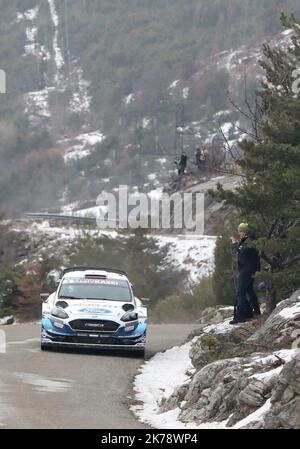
column 59, row 217
column 93, row 221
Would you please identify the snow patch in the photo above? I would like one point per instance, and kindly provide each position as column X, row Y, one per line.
column 289, row 313
column 37, row 104
column 58, row 57
column 220, row 328
column 162, row 160
column 32, row 47
column 31, row 33
column 154, row 384
column 268, row 374
column 226, row 127
column 287, row 32
column 146, row 123
column 30, row 14
column 286, row 355
column 81, row 100
column 195, row 254
column 220, row 113
column 84, row 147
column 255, row 416
column 174, row 84
column 75, row 153
column 129, row 99
column 3, row 321
column 64, row 234
column 92, row 138
column 185, row 93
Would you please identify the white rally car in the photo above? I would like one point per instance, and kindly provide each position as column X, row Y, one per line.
column 94, row 307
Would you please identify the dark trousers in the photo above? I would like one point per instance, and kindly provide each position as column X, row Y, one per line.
column 182, row 169
column 199, row 163
column 244, row 306
column 253, row 299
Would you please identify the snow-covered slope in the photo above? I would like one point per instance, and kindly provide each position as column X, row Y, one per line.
column 195, row 254
column 62, row 103
column 64, row 75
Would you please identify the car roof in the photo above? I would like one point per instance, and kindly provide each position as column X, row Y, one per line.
column 82, row 273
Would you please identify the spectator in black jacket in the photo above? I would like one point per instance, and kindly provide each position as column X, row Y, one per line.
column 181, row 163
column 247, row 305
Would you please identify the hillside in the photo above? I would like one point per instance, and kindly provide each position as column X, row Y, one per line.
column 102, row 93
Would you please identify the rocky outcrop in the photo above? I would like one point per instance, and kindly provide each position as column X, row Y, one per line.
column 219, row 339
column 230, row 390
column 282, row 327
column 214, row 315
column 246, row 376
column 285, row 400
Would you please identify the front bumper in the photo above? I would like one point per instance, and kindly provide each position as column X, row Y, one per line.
column 93, row 346
column 134, row 340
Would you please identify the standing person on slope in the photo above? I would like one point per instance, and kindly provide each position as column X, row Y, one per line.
column 247, row 305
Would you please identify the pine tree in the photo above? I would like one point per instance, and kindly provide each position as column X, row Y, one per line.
column 223, row 279
column 269, row 197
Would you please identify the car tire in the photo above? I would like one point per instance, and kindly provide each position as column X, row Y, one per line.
column 44, row 347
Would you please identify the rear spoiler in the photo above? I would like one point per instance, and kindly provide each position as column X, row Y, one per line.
column 109, row 270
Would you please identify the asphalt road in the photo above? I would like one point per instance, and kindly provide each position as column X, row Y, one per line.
column 71, row 389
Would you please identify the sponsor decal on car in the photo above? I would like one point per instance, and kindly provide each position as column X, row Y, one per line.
column 108, row 282
column 95, row 311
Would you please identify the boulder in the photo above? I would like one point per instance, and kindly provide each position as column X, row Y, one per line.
column 285, row 401
column 231, row 389
column 223, row 341
column 211, row 316
column 282, row 328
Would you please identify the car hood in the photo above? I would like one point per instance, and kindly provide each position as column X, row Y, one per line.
column 94, row 308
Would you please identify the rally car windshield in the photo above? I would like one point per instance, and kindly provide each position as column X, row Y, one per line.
column 97, row 289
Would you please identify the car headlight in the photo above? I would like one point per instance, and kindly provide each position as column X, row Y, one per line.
column 129, row 316
column 59, row 313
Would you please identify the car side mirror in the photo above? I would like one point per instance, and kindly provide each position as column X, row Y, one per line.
column 145, row 299
column 44, row 296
